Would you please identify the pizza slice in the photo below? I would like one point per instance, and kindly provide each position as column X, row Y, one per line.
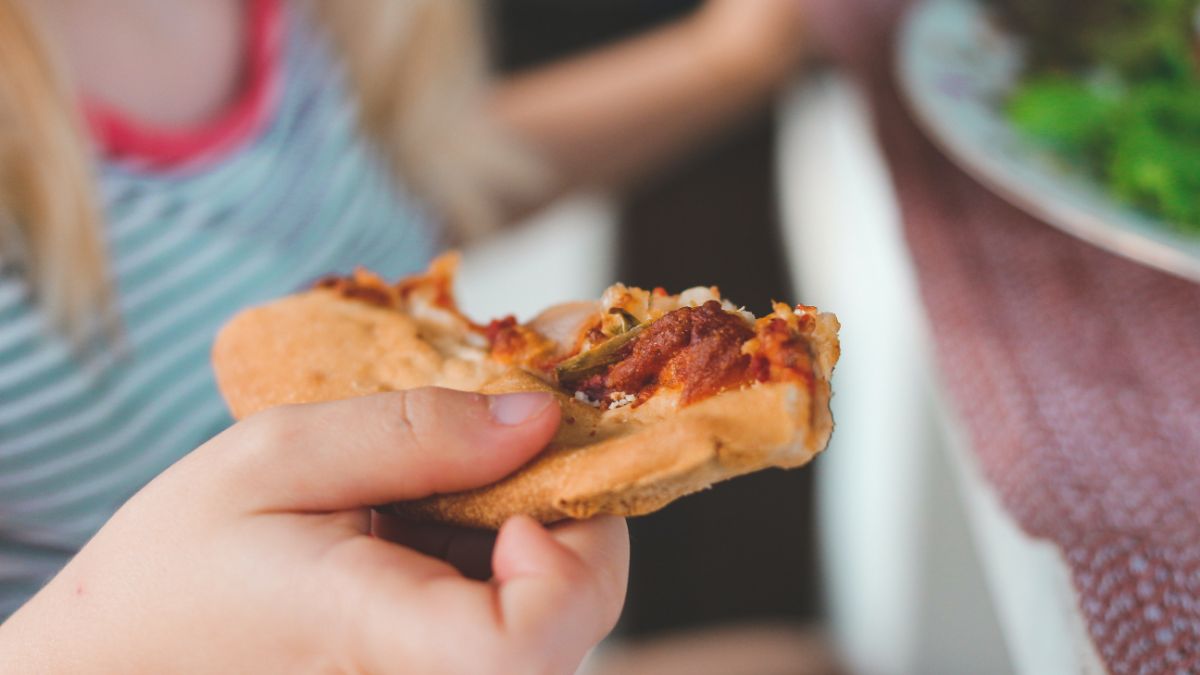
column 662, row 395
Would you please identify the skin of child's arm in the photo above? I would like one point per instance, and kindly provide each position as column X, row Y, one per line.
column 611, row 116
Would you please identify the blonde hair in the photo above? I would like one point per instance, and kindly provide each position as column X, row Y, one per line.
column 49, row 212
column 419, row 70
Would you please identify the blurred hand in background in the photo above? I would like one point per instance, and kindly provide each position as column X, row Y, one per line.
column 615, row 115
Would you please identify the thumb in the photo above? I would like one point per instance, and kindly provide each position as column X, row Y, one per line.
column 386, row 447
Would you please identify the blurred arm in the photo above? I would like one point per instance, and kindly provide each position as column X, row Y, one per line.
column 612, row 116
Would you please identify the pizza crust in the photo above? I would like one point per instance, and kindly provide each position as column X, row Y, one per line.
column 319, row 346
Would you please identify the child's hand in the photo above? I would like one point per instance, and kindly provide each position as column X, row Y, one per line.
column 253, row 554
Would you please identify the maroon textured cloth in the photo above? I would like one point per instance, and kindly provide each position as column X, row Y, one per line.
column 1078, row 376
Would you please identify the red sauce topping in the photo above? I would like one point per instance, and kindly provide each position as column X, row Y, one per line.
column 434, row 285
column 782, row 354
column 508, row 339
column 697, row 349
column 501, row 331
column 374, row 296
column 349, row 287
column 511, row 342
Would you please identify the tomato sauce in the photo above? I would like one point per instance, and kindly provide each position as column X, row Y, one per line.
column 781, row 355
column 698, row 351
column 351, row 288
column 510, row 342
column 694, row 349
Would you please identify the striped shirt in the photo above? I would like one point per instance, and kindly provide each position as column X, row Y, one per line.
column 302, row 196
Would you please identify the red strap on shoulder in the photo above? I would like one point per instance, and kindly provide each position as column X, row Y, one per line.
column 122, row 137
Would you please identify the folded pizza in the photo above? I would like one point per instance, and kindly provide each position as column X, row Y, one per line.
column 662, row 395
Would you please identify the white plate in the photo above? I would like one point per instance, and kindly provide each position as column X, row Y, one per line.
column 954, row 68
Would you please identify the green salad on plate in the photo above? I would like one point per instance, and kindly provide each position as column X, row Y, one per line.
column 1113, row 88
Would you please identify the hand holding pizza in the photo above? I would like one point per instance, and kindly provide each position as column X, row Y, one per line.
column 255, row 553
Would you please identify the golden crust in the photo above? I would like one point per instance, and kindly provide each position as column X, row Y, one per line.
column 319, row 346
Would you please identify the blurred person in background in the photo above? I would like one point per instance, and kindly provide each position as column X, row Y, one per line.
column 163, row 165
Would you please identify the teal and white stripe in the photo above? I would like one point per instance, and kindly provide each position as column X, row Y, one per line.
column 306, row 197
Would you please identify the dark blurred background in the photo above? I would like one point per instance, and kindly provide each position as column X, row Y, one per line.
column 744, row 550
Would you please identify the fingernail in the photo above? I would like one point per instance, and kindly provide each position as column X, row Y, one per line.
column 513, row 409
